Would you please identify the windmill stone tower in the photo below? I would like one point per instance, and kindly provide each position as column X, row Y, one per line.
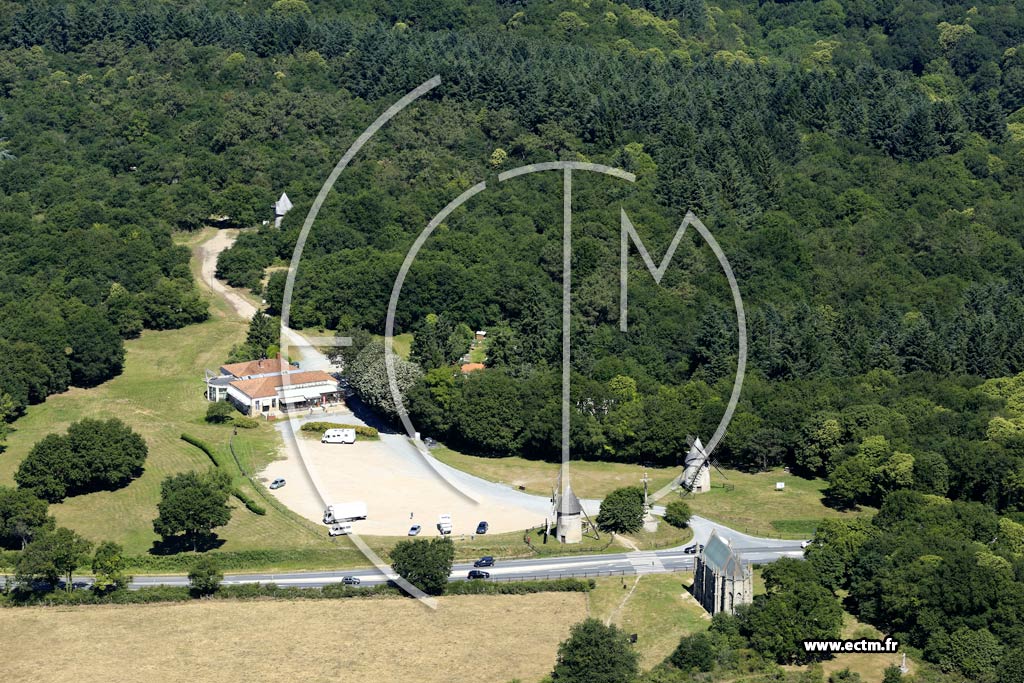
column 282, row 206
column 697, row 472
column 569, row 516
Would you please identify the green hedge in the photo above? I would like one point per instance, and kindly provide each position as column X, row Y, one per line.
column 152, row 594
column 247, row 500
column 59, row 598
column 245, row 422
column 520, row 587
column 251, row 591
column 203, row 446
column 363, row 433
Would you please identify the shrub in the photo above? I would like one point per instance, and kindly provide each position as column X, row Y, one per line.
column 249, row 503
column 363, row 433
column 203, row 446
column 219, row 412
column 243, row 422
column 677, row 513
column 205, row 576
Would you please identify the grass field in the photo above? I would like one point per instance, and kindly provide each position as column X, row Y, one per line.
column 667, row 536
column 159, row 395
column 402, row 343
column 753, row 505
column 384, row 640
column 589, row 479
column 478, row 351
column 659, row 609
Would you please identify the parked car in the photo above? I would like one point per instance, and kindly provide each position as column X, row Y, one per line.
column 277, row 483
column 477, row 574
column 414, row 530
column 485, row 561
column 804, row 544
column 340, row 529
column 350, row 580
column 482, row 527
column 693, row 549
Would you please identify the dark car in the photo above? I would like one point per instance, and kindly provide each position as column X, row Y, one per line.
column 477, row 574
column 693, row 549
column 482, row 527
column 485, row 561
column 350, row 580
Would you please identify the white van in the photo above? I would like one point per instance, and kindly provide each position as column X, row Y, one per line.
column 340, row 530
column 339, row 436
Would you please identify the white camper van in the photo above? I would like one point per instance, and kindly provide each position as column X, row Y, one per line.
column 347, row 435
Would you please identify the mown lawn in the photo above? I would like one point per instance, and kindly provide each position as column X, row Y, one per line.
column 746, row 502
column 660, row 610
column 589, row 479
column 160, row 395
column 402, row 343
column 753, row 506
column 508, row 545
column 667, row 536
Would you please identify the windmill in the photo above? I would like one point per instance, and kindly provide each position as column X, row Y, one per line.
column 569, row 515
column 697, row 468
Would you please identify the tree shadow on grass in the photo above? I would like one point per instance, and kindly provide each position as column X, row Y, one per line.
column 173, row 545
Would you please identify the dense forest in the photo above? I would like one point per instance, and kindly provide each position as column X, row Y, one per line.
column 860, row 163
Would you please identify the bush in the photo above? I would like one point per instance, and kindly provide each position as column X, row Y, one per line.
column 677, row 513
column 243, row 422
column 249, row 503
column 219, row 412
column 205, row 576
column 363, row 433
column 203, row 446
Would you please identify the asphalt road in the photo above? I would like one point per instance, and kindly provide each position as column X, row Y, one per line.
column 610, row 564
column 751, row 548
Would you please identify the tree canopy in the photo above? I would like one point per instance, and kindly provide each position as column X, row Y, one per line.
column 192, row 505
column 93, row 455
column 424, row 563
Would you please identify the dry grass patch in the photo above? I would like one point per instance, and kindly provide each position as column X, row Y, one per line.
column 480, row 638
